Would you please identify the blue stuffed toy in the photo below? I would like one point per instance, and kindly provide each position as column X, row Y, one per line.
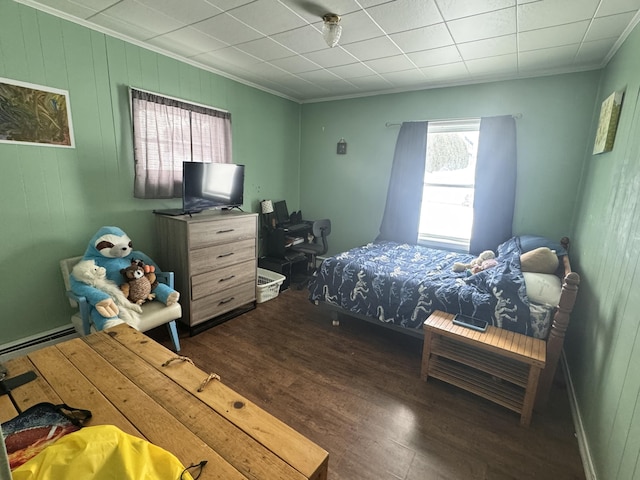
column 112, row 249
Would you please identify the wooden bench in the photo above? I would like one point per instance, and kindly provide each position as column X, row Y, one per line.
column 499, row 365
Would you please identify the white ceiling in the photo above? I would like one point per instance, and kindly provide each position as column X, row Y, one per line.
column 386, row 45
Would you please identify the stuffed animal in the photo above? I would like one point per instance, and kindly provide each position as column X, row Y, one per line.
column 88, row 272
column 476, row 262
column 112, row 249
column 487, row 264
column 140, row 280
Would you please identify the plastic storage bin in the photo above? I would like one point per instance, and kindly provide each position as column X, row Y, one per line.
column 268, row 285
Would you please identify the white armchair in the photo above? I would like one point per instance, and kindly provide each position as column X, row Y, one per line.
column 153, row 314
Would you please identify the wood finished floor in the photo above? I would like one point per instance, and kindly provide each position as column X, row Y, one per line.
column 355, row 390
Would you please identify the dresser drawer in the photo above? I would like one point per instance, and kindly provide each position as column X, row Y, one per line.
column 223, row 231
column 219, row 256
column 222, row 278
column 222, row 302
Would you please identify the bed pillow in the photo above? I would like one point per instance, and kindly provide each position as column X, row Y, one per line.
column 531, row 242
column 543, row 288
column 540, row 260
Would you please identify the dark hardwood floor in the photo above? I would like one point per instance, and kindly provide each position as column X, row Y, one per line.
column 356, row 391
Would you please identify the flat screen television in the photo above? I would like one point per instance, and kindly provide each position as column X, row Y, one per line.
column 211, row 185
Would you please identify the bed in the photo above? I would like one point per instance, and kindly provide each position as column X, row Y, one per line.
column 400, row 285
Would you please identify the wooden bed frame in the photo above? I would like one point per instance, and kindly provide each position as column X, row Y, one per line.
column 555, row 338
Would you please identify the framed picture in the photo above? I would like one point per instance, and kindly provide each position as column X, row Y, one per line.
column 34, row 114
column 608, row 123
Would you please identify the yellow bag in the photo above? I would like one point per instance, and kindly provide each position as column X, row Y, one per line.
column 102, row 452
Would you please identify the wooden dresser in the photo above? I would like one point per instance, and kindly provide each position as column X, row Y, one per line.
column 214, row 258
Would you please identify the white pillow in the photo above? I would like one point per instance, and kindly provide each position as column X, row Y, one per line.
column 543, row 288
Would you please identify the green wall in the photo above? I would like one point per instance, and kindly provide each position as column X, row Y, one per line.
column 351, row 189
column 53, row 199
column 603, row 348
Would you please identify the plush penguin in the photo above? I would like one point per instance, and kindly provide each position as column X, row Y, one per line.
column 112, row 249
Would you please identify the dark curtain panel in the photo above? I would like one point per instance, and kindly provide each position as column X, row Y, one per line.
column 404, row 197
column 495, row 188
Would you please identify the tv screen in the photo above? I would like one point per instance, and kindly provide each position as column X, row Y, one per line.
column 211, row 185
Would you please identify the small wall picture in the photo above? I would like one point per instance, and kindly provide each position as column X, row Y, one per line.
column 34, row 114
column 608, row 123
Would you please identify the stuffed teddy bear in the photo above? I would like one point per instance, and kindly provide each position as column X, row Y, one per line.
column 88, row 272
column 476, row 262
column 140, row 280
column 112, row 249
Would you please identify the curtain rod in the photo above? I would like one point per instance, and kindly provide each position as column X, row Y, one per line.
column 392, row 124
column 177, row 99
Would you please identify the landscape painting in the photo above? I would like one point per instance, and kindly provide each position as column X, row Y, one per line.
column 34, row 114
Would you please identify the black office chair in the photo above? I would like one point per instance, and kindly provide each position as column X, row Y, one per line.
column 321, row 230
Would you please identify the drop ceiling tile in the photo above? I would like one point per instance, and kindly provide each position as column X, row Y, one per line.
column 486, row 25
column 390, row 64
column 295, row 64
column 187, row 42
column 226, row 28
column 340, row 87
column 226, row 5
column 502, row 65
column 358, row 26
column 607, row 27
column 131, row 30
column 135, row 13
column 552, row 36
column 185, row 11
column 611, row 7
column 402, row 15
column 265, row 48
column 352, row 70
column 549, row 13
column 302, row 40
column 409, row 77
column 592, row 53
column 451, row 72
column 371, row 82
column 490, row 47
column 436, row 56
column 374, row 48
column 318, row 76
column 433, row 36
column 453, row 9
column 233, row 56
column 313, row 12
column 268, row 16
column 331, row 57
column 547, row 58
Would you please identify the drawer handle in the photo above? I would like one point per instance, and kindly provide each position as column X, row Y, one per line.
column 225, row 255
column 226, row 231
column 226, row 279
column 222, row 302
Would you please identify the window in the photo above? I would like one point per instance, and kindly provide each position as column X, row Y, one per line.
column 446, row 214
column 167, row 132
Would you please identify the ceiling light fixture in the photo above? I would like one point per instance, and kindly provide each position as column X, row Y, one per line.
column 331, row 30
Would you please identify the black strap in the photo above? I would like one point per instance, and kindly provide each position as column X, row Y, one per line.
column 9, row 384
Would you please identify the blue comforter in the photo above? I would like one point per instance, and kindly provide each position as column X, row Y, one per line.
column 403, row 284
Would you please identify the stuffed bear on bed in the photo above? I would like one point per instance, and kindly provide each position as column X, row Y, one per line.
column 112, row 249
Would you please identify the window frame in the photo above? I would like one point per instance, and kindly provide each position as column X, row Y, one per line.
column 449, row 126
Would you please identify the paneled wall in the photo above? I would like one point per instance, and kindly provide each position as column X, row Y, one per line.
column 54, row 199
column 604, row 339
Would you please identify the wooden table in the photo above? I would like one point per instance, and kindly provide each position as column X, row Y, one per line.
column 119, row 375
column 499, row 365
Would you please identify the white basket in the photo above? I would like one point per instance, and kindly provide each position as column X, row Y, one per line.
column 268, row 285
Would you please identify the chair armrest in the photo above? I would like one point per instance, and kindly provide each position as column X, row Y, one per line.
column 83, row 305
column 165, row 277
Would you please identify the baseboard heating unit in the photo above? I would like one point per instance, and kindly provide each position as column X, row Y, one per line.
column 35, row 342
